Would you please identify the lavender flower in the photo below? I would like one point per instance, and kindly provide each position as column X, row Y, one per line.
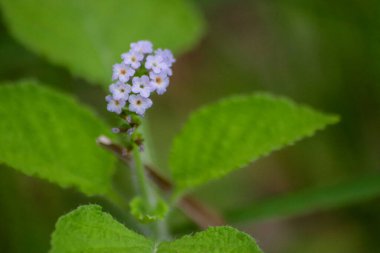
column 115, row 105
column 131, row 130
column 156, row 63
column 122, row 72
column 120, row 90
column 139, row 104
column 166, row 55
column 159, row 82
column 141, row 86
column 133, row 58
column 142, row 46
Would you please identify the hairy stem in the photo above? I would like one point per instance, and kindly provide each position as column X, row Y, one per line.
column 142, row 182
column 147, row 193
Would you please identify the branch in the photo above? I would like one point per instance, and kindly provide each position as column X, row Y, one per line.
column 198, row 212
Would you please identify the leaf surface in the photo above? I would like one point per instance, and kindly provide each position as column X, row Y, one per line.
column 48, row 134
column 88, row 36
column 89, row 230
column 228, row 135
column 213, row 240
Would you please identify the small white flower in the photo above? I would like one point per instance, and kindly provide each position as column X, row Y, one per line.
column 131, row 130
column 122, row 72
column 142, row 47
column 167, row 55
column 120, row 90
column 115, row 105
column 139, row 104
column 133, row 58
column 104, row 140
column 167, row 72
column 156, row 63
column 159, row 82
column 141, row 86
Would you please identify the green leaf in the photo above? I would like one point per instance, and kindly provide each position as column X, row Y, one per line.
column 213, row 240
column 89, row 230
column 141, row 212
column 88, row 36
column 228, row 135
column 49, row 135
column 310, row 200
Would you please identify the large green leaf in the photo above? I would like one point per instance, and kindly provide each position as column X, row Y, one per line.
column 88, row 36
column 310, row 200
column 228, row 135
column 89, row 230
column 48, row 134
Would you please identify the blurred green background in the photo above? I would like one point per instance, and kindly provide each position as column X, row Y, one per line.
column 324, row 54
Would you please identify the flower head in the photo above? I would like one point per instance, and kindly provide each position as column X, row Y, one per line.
column 142, row 72
column 139, row 104
column 122, row 72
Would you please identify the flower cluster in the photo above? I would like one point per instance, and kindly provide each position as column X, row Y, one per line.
column 142, row 72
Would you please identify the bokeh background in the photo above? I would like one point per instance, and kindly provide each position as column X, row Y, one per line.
column 322, row 53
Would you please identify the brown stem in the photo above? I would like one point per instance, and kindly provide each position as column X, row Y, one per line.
column 198, row 212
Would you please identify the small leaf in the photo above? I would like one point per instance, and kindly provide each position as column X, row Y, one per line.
column 142, row 213
column 88, row 36
column 228, row 135
column 89, row 230
column 310, row 200
column 49, row 135
column 213, row 240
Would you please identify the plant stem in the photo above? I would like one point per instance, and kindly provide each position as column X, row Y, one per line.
column 158, row 228
column 142, row 182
